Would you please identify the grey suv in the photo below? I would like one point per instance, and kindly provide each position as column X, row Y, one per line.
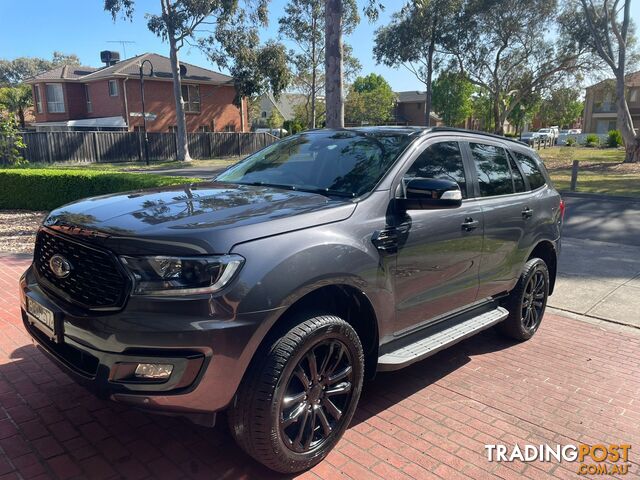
column 274, row 290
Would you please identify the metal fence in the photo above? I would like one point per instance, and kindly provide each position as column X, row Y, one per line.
column 92, row 147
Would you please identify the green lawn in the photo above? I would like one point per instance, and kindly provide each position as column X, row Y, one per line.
column 601, row 170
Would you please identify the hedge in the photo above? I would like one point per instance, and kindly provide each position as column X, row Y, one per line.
column 46, row 189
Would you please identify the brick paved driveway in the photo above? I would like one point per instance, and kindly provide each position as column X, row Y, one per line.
column 574, row 382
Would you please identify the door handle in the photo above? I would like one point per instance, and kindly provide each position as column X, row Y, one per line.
column 470, row 224
column 527, row 212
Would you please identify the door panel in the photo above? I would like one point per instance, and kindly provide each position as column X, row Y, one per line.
column 502, row 255
column 438, row 259
column 504, row 213
column 437, row 263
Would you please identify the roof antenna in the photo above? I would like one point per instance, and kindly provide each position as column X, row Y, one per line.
column 123, row 44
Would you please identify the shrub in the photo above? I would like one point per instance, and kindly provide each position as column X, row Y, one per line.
column 10, row 143
column 46, row 189
column 571, row 141
column 592, row 140
column 292, row 126
column 614, row 140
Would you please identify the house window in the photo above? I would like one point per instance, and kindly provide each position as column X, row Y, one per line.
column 36, row 91
column 634, row 95
column 205, row 128
column 173, row 128
column 87, row 97
column 230, row 127
column 113, row 88
column 419, row 106
column 264, row 114
column 191, row 98
column 55, row 98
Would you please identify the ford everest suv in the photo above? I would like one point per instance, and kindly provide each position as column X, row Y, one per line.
column 275, row 289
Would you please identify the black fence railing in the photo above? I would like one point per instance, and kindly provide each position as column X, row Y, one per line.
column 90, row 147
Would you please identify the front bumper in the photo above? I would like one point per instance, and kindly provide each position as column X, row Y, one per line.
column 209, row 352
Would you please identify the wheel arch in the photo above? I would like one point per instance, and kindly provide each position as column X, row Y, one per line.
column 340, row 299
column 547, row 251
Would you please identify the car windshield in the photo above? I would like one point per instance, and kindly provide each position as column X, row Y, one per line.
column 341, row 163
column 544, row 130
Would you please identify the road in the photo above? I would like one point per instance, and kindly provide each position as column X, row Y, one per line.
column 603, row 219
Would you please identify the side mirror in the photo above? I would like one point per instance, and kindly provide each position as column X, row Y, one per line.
column 430, row 194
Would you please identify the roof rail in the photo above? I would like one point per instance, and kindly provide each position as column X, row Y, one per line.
column 475, row 132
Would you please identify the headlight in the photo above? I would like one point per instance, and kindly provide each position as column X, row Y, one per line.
column 181, row 275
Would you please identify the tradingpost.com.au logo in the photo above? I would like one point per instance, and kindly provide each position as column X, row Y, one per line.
column 600, row 459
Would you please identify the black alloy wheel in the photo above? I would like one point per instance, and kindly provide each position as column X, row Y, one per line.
column 318, row 392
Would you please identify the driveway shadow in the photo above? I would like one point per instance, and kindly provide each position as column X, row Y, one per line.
column 127, row 441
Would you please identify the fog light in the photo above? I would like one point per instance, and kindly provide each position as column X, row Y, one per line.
column 156, row 371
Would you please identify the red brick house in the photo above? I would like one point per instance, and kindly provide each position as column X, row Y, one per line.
column 108, row 98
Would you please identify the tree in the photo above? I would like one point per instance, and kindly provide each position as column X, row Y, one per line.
column 525, row 111
column 275, row 120
column 14, row 72
column 370, row 100
column 304, row 24
column 16, row 100
column 606, row 30
column 183, row 22
column 452, row 98
column 561, row 107
column 504, row 47
column 413, row 37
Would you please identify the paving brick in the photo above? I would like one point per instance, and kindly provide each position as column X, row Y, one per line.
column 573, row 382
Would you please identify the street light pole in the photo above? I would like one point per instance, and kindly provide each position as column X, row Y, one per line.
column 144, row 115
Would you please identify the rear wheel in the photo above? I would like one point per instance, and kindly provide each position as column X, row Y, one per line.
column 527, row 302
column 295, row 404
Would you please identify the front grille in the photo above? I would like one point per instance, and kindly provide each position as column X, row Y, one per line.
column 95, row 281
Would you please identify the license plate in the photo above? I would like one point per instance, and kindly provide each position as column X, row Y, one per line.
column 44, row 318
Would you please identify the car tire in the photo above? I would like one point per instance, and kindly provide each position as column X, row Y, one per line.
column 527, row 301
column 288, row 414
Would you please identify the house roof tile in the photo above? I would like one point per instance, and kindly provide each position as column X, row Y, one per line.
column 130, row 68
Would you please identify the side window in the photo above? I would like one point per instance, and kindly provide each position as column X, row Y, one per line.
column 492, row 166
column 518, row 180
column 441, row 160
column 531, row 170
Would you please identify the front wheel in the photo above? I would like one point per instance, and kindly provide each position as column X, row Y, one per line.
column 527, row 301
column 295, row 404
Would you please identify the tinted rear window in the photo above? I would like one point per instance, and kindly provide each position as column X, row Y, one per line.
column 531, row 170
column 492, row 167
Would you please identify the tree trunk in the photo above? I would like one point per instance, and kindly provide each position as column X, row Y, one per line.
column 333, row 64
column 625, row 122
column 633, row 151
column 182, row 146
column 429, row 91
column 314, row 70
column 498, row 127
column 21, row 118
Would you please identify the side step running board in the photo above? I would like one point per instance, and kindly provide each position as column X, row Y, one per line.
column 436, row 338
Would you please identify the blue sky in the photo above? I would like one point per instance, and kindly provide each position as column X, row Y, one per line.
column 82, row 27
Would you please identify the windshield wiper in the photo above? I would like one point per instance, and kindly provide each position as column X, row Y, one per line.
column 322, row 191
column 266, row 184
column 327, row 191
